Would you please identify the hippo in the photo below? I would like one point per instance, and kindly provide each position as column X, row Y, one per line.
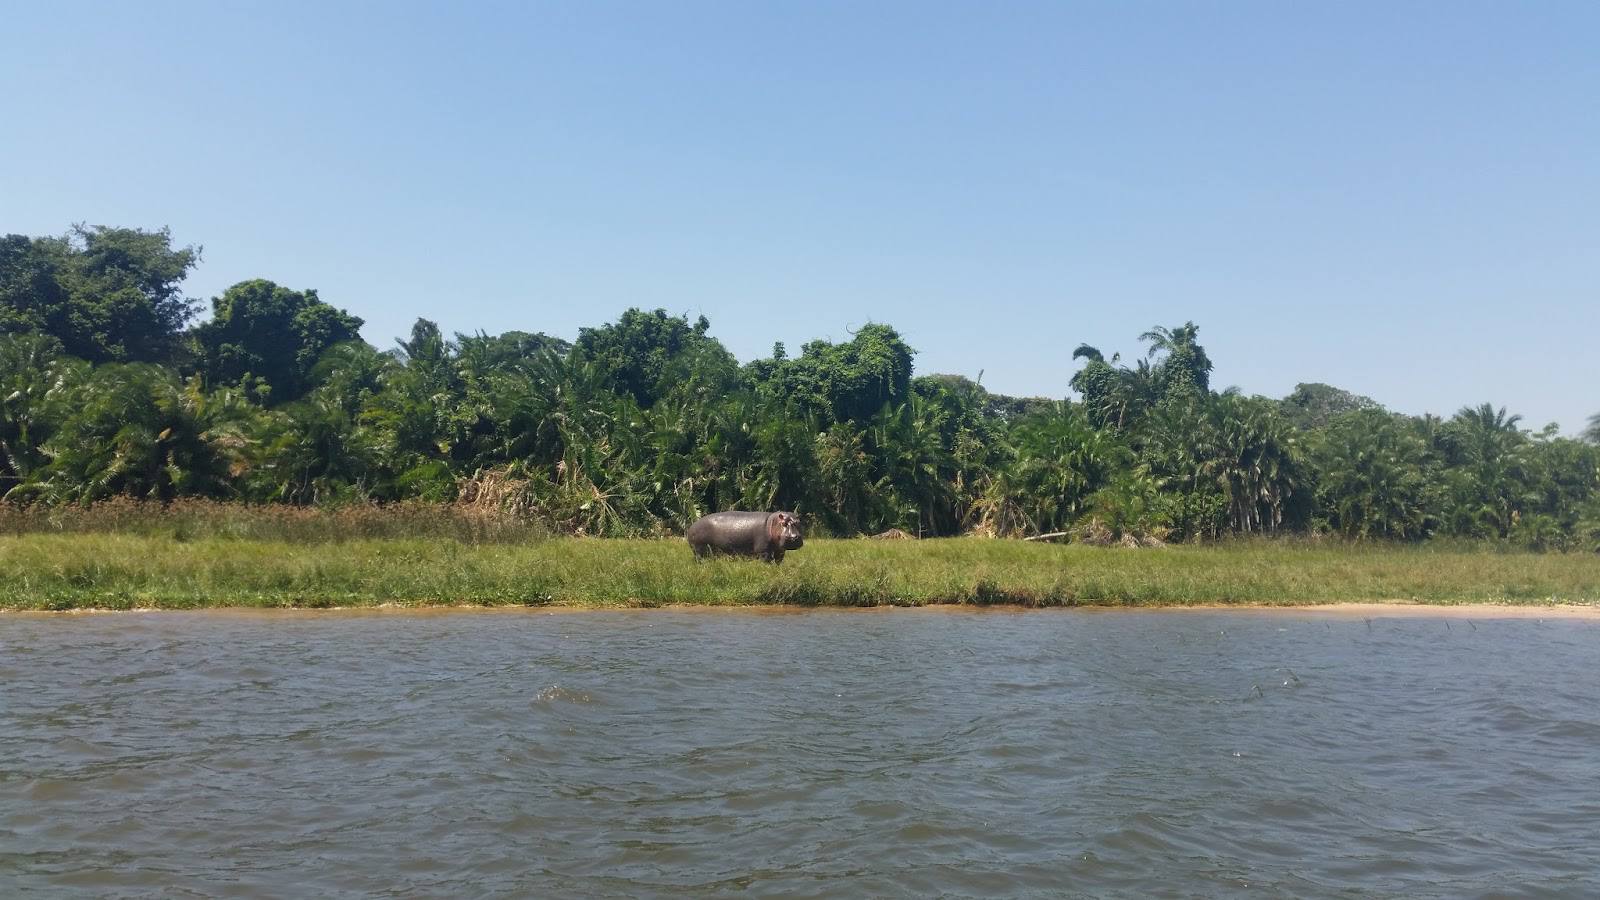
column 767, row 535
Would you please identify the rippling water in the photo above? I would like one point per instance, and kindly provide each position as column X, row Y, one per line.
column 907, row 753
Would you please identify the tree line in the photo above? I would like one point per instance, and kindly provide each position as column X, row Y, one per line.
column 109, row 388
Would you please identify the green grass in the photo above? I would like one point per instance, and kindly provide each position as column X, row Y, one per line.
column 123, row 571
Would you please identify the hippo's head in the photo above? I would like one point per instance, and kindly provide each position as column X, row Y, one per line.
column 783, row 529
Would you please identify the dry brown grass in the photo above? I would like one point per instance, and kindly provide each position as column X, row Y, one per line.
column 482, row 522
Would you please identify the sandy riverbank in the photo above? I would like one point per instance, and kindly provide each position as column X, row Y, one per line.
column 1367, row 610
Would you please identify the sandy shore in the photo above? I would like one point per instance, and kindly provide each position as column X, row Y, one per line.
column 1374, row 610
column 1400, row 609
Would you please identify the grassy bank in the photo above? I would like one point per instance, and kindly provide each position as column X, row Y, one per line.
column 122, row 571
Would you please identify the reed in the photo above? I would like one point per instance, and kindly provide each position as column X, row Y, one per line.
column 155, row 569
column 188, row 519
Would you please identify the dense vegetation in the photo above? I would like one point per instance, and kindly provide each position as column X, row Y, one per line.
column 636, row 427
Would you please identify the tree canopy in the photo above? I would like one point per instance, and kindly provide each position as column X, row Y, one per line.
column 645, row 353
column 640, row 425
column 845, row 381
column 107, row 294
column 275, row 335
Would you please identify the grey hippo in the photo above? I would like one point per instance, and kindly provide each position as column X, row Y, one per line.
column 767, row 535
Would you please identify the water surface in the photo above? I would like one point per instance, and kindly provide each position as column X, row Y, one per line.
column 827, row 754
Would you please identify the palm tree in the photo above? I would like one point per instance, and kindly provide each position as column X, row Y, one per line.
column 1131, row 505
column 35, row 380
column 1489, row 475
column 314, row 450
column 136, row 429
column 1375, row 477
column 1177, row 444
column 779, row 468
column 1255, row 461
column 1186, row 370
column 852, row 496
column 918, row 465
column 1134, row 394
column 353, row 372
column 1000, row 506
column 1061, row 460
column 1096, row 383
column 1487, row 424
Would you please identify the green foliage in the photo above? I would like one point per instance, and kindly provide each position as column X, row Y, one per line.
column 984, row 406
column 844, row 382
column 1118, row 397
column 852, row 498
column 1061, row 461
column 1314, row 405
column 1376, row 477
column 1488, row 479
column 642, row 425
column 1098, row 383
column 137, row 429
column 493, row 352
column 35, row 381
column 1175, row 443
column 106, row 294
column 310, row 451
column 1131, row 506
column 1255, row 460
column 1185, row 372
column 1586, row 531
column 260, row 329
column 648, row 354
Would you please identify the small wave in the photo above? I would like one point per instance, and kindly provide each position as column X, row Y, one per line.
column 1572, row 730
column 555, row 693
column 77, row 748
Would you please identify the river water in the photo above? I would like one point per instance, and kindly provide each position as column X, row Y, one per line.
column 827, row 754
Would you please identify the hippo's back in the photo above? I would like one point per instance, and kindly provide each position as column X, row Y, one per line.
column 730, row 532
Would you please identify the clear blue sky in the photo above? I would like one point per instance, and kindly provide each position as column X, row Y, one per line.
column 1401, row 199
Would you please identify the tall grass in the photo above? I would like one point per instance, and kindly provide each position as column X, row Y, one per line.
column 155, row 569
column 197, row 519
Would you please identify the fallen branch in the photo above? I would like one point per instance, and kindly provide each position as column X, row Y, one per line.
column 1048, row 537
